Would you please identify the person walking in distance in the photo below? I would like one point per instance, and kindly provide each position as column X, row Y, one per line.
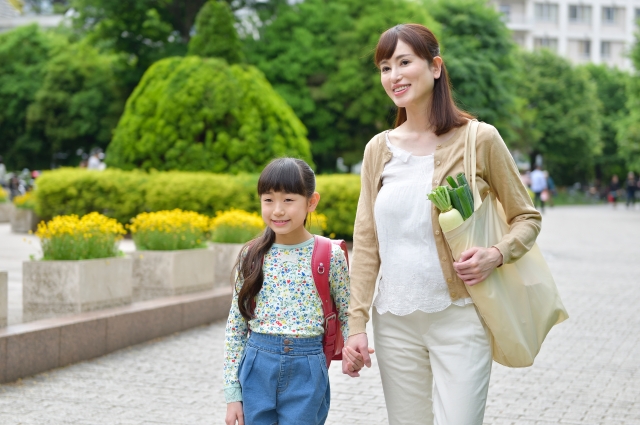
column 538, row 185
column 614, row 187
column 432, row 348
column 275, row 371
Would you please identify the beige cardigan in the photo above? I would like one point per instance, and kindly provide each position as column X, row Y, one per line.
column 496, row 171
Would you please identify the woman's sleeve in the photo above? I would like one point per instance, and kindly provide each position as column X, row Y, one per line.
column 235, row 340
column 503, row 177
column 339, row 286
column 366, row 260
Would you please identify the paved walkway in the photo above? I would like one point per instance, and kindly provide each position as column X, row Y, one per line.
column 588, row 372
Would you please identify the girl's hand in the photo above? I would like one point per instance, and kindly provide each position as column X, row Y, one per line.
column 234, row 413
column 476, row 264
column 355, row 355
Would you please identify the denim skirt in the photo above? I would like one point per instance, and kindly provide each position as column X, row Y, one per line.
column 284, row 381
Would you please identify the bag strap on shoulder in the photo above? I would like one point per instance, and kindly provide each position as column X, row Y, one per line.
column 469, row 160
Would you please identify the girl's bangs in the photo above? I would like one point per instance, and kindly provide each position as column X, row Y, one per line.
column 386, row 45
column 282, row 176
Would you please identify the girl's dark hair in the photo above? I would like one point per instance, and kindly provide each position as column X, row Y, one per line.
column 444, row 115
column 288, row 175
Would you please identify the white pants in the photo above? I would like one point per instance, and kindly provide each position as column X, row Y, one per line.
column 435, row 367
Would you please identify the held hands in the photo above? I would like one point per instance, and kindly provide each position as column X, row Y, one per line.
column 234, row 413
column 355, row 354
column 476, row 264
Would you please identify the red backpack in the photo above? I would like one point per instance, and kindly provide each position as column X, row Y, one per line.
column 332, row 341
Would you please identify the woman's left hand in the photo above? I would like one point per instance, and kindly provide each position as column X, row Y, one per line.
column 476, row 264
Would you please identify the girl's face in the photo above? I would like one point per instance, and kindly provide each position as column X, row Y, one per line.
column 407, row 78
column 285, row 213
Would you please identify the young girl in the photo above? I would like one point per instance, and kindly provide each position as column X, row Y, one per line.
column 275, row 370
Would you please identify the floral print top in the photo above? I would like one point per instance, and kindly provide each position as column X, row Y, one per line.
column 287, row 305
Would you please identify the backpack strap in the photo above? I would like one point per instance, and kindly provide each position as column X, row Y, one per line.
column 321, row 267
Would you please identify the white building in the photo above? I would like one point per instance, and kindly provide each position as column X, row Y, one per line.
column 12, row 17
column 598, row 31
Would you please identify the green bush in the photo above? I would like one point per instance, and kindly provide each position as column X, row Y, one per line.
column 124, row 194
column 114, row 193
column 338, row 201
column 200, row 114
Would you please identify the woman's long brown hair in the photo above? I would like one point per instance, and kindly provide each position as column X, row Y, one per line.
column 444, row 115
column 288, row 175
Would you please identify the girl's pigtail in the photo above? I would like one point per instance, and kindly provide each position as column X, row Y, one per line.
column 249, row 266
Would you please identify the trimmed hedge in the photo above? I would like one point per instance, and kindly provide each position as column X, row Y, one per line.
column 123, row 194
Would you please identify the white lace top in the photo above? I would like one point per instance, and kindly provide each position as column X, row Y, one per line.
column 412, row 278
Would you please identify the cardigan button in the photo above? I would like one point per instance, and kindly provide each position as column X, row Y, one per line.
column 448, row 280
column 444, row 259
column 436, row 182
column 437, row 162
column 438, row 147
column 437, row 232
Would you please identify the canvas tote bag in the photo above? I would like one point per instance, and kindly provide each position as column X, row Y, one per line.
column 519, row 302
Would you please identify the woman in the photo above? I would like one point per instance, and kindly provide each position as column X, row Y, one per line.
column 432, row 348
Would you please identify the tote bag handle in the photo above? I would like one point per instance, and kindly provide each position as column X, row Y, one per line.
column 469, row 161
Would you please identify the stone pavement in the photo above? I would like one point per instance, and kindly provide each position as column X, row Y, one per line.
column 588, row 372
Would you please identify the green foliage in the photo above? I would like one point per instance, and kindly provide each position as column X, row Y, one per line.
column 124, row 194
column 114, row 193
column 205, row 193
column 478, row 52
column 628, row 134
column 564, row 119
column 141, row 31
column 24, row 53
column 611, row 84
column 77, row 105
column 198, row 113
column 215, row 35
column 339, row 195
column 318, row 54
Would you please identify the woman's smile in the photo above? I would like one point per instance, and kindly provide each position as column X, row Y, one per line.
column 280, row 222
column 399, row 89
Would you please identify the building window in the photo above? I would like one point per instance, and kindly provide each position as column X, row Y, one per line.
column 584, row 48
column 546, row 12
column 580, row 14
column 505, row 9
column 609, row 15
column 546, row 43
column 605, row 49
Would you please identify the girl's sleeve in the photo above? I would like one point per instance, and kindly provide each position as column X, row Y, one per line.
column 235, row 341
column 339, row 286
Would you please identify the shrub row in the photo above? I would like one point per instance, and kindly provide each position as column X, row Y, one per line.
column 123, row 194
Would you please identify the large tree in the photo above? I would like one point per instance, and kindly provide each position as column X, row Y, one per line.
column 77, row 105
column 563, row 116
column 612, row 84
column 479, row 55
column 318, row 54
column 628, row 134
column 215, row 35
column 24, row 53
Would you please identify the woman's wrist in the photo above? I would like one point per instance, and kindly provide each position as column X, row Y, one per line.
column 498, row 258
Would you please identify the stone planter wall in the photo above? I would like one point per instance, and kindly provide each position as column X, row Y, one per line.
column 6, row 209
column 166, row 273
column 4, row 298
column 225, row 256
column 23, row 220
column 55, row 288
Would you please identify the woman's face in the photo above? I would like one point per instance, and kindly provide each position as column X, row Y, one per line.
column 407, row 78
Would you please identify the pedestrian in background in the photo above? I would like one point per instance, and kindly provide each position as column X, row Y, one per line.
column 631, row 185
column 433, row 350
column 3, row 173
column 275, row 371
column 614, row 187
column 538, row 185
